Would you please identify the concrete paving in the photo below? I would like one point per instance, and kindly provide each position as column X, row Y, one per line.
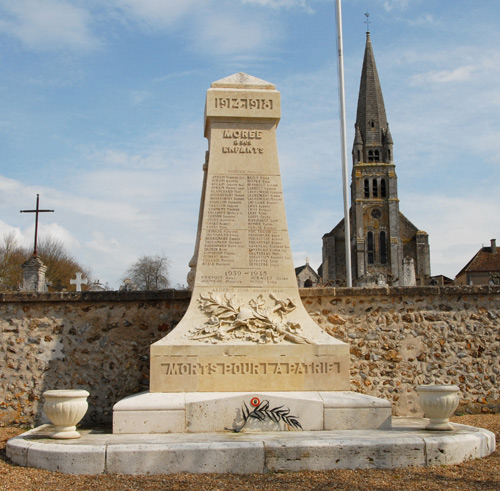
column 407, row 443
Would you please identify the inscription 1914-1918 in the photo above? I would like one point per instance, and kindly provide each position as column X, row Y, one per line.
column 243, row 103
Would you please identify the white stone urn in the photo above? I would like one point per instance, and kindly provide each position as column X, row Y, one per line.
column 65, row 409
column 439, row 403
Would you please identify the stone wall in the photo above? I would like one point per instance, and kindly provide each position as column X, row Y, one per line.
column 99, row 341
column 403, row 337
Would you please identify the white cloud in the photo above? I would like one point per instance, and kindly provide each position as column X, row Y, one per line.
column 101, row 243
column 398, row 4
column 6, row 229
column 47, row 24
column 212, row 27
column 58, row 232
column 422, row 20
column 459, row 74
column 157, row 14
column 278, row 4
column 230, row 33
column 457, row 225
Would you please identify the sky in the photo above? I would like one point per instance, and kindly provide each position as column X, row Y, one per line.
column 101, row 113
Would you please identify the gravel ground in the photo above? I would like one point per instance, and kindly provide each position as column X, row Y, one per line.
column 477, row 474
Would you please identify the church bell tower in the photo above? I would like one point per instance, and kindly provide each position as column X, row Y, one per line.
column 386, row 247
column 374, row 194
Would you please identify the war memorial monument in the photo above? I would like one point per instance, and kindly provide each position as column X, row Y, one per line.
column 247, row 382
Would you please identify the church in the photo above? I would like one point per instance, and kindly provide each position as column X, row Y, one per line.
column 386, row 248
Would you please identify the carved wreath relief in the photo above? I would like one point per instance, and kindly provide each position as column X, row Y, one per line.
column 257, row 322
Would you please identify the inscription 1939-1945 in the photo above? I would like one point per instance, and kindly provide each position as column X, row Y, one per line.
column 251, row 368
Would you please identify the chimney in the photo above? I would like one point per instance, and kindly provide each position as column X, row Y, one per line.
column 493, row 246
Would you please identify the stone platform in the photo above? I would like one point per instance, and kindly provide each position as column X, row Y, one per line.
column 407, row 443
column 206, row 412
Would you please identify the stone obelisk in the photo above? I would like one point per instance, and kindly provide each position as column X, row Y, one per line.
column 246, row 328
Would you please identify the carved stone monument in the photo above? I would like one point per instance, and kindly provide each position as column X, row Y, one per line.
column 246, row 327
column 34, row 275
column 246, row 351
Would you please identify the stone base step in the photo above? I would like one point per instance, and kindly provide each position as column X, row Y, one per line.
column 201, row 412
column 407, row 443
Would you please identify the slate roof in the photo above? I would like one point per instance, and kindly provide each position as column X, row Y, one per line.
column 371, row 108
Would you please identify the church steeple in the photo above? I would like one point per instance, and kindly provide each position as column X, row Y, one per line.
column 386, row 247
column 371, row 120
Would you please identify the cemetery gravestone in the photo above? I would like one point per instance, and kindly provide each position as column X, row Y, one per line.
column 78, row 281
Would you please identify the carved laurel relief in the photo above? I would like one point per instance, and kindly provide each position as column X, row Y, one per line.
column 258, row 322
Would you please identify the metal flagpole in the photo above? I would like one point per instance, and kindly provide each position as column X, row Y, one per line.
column 347, row 224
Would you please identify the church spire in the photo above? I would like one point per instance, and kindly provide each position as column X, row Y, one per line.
column 371, row 120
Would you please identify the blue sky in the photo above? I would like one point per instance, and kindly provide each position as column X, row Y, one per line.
column 101, row 113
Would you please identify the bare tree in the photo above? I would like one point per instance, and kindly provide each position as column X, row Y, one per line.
column 12, row 255
column 61, row 266
column 149, row 272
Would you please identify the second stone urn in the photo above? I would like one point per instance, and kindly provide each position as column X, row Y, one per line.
column 65, row 409
column 439, row 403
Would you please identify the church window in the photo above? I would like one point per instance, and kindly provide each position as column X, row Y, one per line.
column 383, row 247
column 389, row 155
column 373, row 156
column 370, row 248
column 375, row 188
column 359, row 156
column 383, row 188
column 373, row 124
column 367, row 188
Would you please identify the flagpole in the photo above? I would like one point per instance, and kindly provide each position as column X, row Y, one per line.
column 347, row 224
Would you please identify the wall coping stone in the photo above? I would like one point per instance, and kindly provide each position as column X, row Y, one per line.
column 400, row 290
column 171, row 294
column 106, row 296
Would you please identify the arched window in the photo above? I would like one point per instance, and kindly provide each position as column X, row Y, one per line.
column 383, row 188
column 359, row 156
column 383, row 247
column 367, row 188
column 370, row 248
column 389, row 155
column 375, row 188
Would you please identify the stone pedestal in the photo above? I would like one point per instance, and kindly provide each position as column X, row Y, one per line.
column 34, row 275
column 202, row 412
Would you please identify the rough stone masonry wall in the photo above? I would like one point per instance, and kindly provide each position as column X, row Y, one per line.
column 99, row 341
column 403, row 337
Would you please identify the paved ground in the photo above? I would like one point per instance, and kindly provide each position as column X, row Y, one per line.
column 482, row 474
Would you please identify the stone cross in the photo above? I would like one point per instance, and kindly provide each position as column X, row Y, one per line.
column 36, row 211
column 78, row 281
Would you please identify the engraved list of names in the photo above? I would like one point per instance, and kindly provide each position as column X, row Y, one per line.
column 246, row 239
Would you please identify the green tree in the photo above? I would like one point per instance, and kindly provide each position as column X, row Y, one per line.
column 149, row 273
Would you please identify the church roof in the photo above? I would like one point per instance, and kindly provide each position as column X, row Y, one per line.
column 371, row 118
